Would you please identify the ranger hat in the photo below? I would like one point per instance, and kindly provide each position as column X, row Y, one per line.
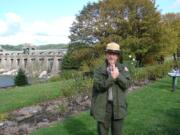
column 113, row 47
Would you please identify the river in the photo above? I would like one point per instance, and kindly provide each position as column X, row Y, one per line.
column 6, row 81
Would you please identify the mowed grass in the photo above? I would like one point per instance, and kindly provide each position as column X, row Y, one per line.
column 152, row 110
column 19, row 97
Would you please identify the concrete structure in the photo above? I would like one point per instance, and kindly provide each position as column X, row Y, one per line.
column 33, row 61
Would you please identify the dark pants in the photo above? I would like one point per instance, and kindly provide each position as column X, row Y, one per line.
column 110, row 122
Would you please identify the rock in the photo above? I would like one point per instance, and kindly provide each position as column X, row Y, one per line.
column 11, row 131
column 42, row 124
column 43, row 74
column 78, row 99
column 86, row 97
column 88, row 102
column 23, row 118
column 10, row 124
column 45, row 120
column 1, row 124
column 28, row 119
column 27, row 111
column 52, row 109
column 23, row 129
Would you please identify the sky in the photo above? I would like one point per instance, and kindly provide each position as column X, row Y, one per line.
column 48, row 21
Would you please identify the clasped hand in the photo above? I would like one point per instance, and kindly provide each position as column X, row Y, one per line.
column 114, row 71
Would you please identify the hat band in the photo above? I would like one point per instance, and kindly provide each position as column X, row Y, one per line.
column 114, row 51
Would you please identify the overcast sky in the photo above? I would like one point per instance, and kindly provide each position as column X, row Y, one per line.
column 48, row 21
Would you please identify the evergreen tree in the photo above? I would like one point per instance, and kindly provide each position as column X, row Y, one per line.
column 21, row 79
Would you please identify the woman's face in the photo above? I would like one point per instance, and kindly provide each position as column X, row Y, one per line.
column 112, row 58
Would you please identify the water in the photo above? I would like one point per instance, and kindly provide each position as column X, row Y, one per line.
column 6, row 81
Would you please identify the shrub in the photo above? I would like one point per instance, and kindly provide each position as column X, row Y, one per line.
column 69, row 62
column 66, row 75
column 76, row 86
column 55, row 78
column 151, row 72
column 21, row 78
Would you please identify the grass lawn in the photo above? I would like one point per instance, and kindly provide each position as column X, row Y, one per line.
column 152, row 110
column 18, row 97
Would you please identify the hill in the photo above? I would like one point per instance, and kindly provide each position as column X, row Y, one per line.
column 41, row 47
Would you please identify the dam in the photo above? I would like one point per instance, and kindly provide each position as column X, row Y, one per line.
column 32, row 60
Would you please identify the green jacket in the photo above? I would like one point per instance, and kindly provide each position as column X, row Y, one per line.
column 101, row 84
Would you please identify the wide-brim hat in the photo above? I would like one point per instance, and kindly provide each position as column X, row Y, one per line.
column 113, row 47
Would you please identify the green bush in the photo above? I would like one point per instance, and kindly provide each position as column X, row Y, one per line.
column 69, row 62
column 21, row 78
column 77, row 85
column 151, row 72
column 72, row 60
column 55, row 78
column 66, row 75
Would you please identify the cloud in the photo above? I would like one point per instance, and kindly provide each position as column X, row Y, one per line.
column 176, row 5
column 3, row 27
column 12, row 18
column 13, row 30
column 10, row 25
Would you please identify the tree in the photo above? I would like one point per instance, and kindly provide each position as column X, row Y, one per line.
column 84, row 28
column 135, row 24
column 172, row 21
column 77, row 54
column 21, row 79
column 170, row 18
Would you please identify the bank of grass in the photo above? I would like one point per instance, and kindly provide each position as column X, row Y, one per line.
column 19, row 97
column 152, row 110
